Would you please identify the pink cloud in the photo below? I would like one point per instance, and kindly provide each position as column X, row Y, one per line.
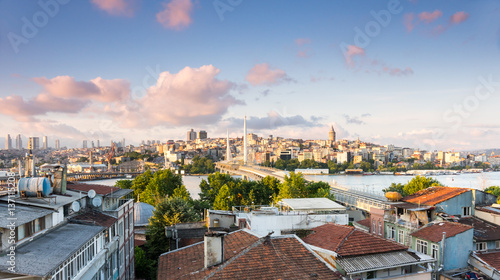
column 459, row 17
column 176, row 14
column 408, row 21
column 397, row 71
column 262, row 74
column 97, row 89
column 352, row 50
column 429, row 17
column 303, row 54
column 302, row 41
column 193, row 95
column 117, row 7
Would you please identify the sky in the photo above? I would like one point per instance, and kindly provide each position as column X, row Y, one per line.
column 421, row 74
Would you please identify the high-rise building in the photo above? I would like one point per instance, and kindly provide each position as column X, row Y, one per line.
column 34, row 143
column 93, row 146
column 191, row 135
column 45, row 143
column 84, row 145
column 202, row 134
column 98, row 143
column 123, row 143
column 19, row 142
column 57, row 144
column 332, row 135
column 8, row 142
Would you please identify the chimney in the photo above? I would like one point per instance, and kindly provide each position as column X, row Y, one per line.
column 214, row 248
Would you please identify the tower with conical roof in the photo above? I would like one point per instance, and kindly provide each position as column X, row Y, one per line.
column 332, row 135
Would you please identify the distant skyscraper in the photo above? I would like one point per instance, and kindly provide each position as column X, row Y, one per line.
column 332, row 135
column 191, row 135
column 202, row 134
column 45, row 143
column 19, row 142
column 92, row 144
column 228, row 148
column 245, row 153
column 57, row 144
column 98, row 143
column 35, row 144
column 123, row 142
column 84, row 145
column 8, row 142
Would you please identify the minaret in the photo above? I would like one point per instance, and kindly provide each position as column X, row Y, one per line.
column 228, row 148
column 245, row 158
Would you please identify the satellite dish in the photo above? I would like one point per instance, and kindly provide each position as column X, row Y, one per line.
column 97, row 201
column 91, row 193
column 75, row 206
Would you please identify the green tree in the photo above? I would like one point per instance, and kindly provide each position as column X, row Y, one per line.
column 293, row 186
column 143, row 265
column 169, row 211
column 223, row 199
column 494, row 190
column 82, row 159
column 162, row 184
column 396, row 188
column 124, row 184
column 182, row 192
column 419, row 183
column 140, row 183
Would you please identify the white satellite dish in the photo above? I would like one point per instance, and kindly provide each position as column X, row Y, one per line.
column 75, row 206
column 91, row 193
column 97, row 201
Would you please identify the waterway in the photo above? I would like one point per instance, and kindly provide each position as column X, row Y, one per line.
column 367, row 183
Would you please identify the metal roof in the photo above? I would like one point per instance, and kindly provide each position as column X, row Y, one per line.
column 21, row 214
column 358, row 264
column 58, row 202
column 41, row 256
column 312, row 204
column 142, row 213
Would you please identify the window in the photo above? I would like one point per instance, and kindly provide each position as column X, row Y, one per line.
column 422, row 246
column 379, row 228
column 392, row 233
column 481, row 246
column 401, row 236
column 374, row 227
column 465, row 211
column 435, row 251
column 370, row 274
column 497, row 244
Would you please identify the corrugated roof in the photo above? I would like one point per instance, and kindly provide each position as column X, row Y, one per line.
column 358, row 264
column 99, row 189
column 348, row 241
column 434, row 232
column 434, row 195
column 491, row 258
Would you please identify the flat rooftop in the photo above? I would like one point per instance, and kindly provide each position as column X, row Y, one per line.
column 311, row 204
column 41, row 256
column 54, row 201
column 21, row 214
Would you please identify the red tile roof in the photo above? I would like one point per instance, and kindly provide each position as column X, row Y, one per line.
column 348, row 241
column 99, row 189
column 247, row 257
column 491, row 258
column 366, row 222
column 95, row 218
column 434, row 232
column 434, row 195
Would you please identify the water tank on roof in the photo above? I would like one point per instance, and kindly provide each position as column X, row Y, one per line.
column 393, row 196
column 31, row 186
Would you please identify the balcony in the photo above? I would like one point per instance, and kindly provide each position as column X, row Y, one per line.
column 401, row 221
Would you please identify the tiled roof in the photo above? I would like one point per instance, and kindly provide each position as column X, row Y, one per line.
column 483, row 230
column 247, row 257
column 99, row 189
column 491, row 258
column 94, row 218
column 434, row 232
column 434, row 195
column 366, row 222
column 348, row 241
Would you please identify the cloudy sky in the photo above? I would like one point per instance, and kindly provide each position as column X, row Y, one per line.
column 414, row 73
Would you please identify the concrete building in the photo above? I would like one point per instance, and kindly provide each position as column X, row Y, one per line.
column 84, row 144
column 45, row 143
column 8, row 142
column 191, row 135
column 34, row 143
column 73, row 233
column 57, row 144
column 202, row 134
column 19, row 142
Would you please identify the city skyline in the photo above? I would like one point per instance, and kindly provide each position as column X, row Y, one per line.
column 410, row 73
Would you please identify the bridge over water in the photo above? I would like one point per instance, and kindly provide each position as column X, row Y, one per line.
column 358, row 199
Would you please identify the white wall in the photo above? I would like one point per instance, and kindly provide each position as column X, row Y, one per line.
column 264, row 224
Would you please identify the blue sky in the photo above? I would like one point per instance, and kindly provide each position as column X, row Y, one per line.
column 411, row 73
